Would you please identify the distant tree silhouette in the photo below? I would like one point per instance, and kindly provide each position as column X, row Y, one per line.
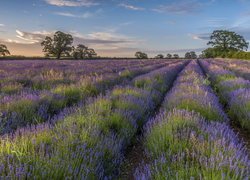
column 79, row 51
column 169, row 56
column 141, row 55
column 4, row 50
column 159, row 56
column 190, row 55
column 90, row 53
column 176, row 56
column 83, row 52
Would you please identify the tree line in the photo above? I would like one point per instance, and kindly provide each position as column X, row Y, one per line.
column 223, row 44
column 142, row 55
column 60, row 45
column 188, row 55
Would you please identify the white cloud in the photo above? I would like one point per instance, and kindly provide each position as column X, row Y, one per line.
column 67, row 14
column 2, row 25
column 204, row 36
column 96, row 39
column 183, row 6
column 72, row 3
column 30, row 37
column 131, row 7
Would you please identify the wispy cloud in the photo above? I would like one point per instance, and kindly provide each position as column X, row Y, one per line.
column 97, row 39
column 67, row 14
column 181, row 7
column 30, row 37
column 2, row 25
column 72, row 3
column 131, row 7
column 202, row 36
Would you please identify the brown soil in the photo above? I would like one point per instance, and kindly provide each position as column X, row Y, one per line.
column 243, row 134
column 134, row 157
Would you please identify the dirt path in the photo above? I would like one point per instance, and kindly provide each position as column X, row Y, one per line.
column 135, row 155
column 243, row 135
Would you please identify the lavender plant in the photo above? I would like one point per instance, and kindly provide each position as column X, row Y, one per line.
column 234, row 92
column 88, row 144
column 190, row 138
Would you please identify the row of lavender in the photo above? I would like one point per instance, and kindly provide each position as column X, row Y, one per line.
column 88, row 144
column 190, row 137
column 32, row 107
column 239, row 67
column 233, row 91
column 33, row 68
column 37, row 75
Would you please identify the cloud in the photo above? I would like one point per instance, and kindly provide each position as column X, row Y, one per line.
column 131, row 7
column 72, row 3
column 30, row 37
column 67, row 14
column 2, row 25
column 105, row 40
column 202, row 36
column 181, row 7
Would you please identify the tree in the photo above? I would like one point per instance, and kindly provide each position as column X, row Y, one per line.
column 226, row 41
column 169, row 56
column 188, row 55
column 176, row 56
column 3, row 50
column 82, row 51
column 211, row 52
column 141, row 55
column 159, row 56
column 59, row 45
column 79, row 51
column 90, row 53
column 193, row 55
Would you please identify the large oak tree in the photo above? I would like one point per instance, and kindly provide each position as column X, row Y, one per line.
column 227, row 41
column 60, row 44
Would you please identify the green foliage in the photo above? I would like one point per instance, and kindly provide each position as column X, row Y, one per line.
column 11, row 88
column 159, row 56
column 169, row 56
column 82, row 52
column 227, row 41
column 226, row 44
column 59, row 45
column 239, row 112
column 141, row 55
column 162, row 137
column 224, row 77
column 176, row 56
column 190, row 55
column 25, row 110
column 175, row 140
column 3, row 50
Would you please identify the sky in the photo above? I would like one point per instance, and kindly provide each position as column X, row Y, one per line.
column 119, row 28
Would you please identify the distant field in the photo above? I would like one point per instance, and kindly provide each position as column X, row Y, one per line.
column 128, row 119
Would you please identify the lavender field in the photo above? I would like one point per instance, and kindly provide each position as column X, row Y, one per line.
column 125, row 119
